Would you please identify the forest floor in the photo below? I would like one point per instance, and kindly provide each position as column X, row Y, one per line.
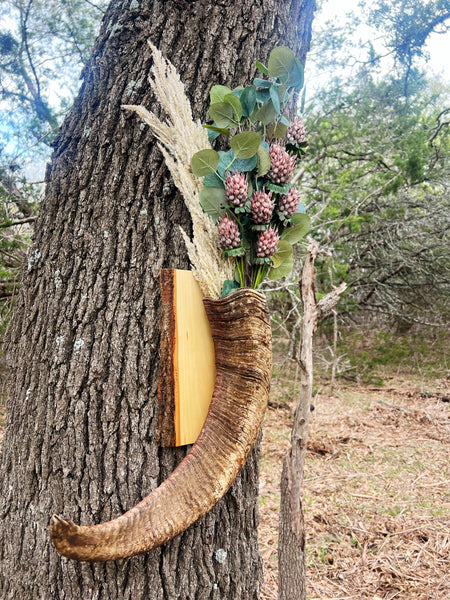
column 376, row 492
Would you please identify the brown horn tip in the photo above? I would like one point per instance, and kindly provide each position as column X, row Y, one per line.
column 59, row 526
column 62, row 532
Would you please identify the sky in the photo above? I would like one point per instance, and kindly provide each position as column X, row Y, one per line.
column 438, row 45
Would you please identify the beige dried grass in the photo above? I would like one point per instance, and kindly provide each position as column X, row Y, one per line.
column 180, row 138
column 375, row 494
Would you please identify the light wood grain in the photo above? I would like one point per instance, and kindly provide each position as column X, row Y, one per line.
column 194, row 359
column 187, row 360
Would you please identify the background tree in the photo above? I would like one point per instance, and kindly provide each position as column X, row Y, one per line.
column 406, row 26
column 83, row 345
column 43, row 46
column 380, row 194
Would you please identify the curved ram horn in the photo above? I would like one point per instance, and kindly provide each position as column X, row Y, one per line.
column 243, row 345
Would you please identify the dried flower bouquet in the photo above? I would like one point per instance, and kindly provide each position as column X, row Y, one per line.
column 246, row 190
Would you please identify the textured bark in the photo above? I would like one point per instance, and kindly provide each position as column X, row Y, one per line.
column 80, row 437
column 240, row 328
column 291, row 541
column 167, row 435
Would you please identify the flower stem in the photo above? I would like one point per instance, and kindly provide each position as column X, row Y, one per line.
column 240, row 268
column 259, row 276
column 226, row 168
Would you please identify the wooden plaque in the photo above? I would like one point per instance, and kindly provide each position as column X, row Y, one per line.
column 187, row 361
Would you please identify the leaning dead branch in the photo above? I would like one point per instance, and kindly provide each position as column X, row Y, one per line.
column 291, row 551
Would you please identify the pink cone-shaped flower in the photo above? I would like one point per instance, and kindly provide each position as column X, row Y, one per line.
column 262, row 207
column 266, row 244
column 296, row 132
column 282, row 164
column 236, row 188
column 288, row 203
column 228, row 233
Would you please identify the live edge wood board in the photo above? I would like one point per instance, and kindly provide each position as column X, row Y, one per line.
column 187, row 361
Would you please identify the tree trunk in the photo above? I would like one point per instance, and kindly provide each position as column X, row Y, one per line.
column 80, row 437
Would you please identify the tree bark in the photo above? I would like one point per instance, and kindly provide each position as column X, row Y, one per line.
column 81, row 431
column 291, row 542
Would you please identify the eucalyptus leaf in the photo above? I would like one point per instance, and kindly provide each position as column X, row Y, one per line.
column 218, row 93
column 243, row 165
column 283, row 253
column 213, row 180
column 212, row 135
column 262, row 83
column 236, row 104
column 222, row 114
column 275, row 99
column 266, row 114
column 281, row 60
column 245, row 144
column 219, row 130
column 298, row 216
column 296, row 75
column 283, row 92
column 276, row 130
column 284, row 269
column 298, row 231
column 261, row 129
column 226, row 161
column 262, row 68
column 263, row 161
column 204, row 162
column 211, row 200
column 263, row 95
column 228, row 287
column 248, row 100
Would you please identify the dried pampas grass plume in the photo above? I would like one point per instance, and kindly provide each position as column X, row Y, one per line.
column 180, row 138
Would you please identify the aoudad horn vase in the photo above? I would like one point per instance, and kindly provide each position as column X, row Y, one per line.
column 243, row 353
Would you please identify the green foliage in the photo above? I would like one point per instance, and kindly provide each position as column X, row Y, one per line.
column 223, row 115
column 245, row 144
column 282, row 255
column 375, row 180
column 300, row 227
column 205, row 162
column 43, row 46
column 15, row 204
column 284, row 65
column 211, row 199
